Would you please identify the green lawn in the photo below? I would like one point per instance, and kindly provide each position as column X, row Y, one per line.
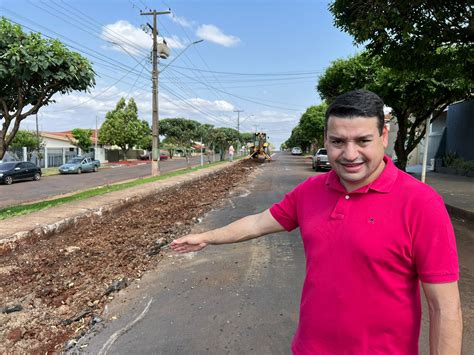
column 37, row 206
column 49, row 171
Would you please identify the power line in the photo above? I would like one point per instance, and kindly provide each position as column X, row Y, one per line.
column 208, row 115
column 202, row 59
column 246, row 99
column 98, row 56
column 73, row 19
column 99, row 94
column 249, row 74
column 95, row 24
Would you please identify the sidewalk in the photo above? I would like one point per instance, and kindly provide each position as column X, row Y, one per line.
column 457, row 192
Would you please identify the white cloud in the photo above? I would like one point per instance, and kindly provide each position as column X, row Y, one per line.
column 181, row 20
column 218, row 105
column 213, row 34
column 126, row 38
column 277, row 117
column 79, row 110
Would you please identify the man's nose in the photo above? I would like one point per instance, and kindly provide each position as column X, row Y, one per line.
column 351, row 152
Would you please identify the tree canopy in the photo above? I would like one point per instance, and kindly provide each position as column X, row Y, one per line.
column 415, row 34
column 310, row 129
column 122, row 126
column 82, row 138
column 224, row 138
column 26, row 139
column 32, row 70
column 180, row 133
column 413, row 97
column 146, row 140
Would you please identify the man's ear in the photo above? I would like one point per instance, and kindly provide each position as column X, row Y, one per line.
column 385, row 136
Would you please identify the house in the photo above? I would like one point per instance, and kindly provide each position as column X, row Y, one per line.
column 451, row 132
column 58, row 148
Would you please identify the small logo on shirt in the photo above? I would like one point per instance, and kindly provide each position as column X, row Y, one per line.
column 371, row 220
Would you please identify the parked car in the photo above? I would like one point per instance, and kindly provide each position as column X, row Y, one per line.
column 146, row 156
column 18, row 170
column 79, row 165
column 296, row 151
column 320, row 160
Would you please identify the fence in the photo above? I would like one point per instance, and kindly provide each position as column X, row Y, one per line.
column 45, row 157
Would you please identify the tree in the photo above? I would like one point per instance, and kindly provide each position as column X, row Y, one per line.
column 26, row 139
column 312, row 124
column 298, row 139
column 82, row 138
column 224, row 137
column 122, row 126
column 146, row 140
column 181, row 132
column 413, row 97
column 408, row 33
column 310, row 129
column 207, row 137
column 32, row 70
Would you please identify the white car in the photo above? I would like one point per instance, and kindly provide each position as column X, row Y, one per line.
column 296, row 151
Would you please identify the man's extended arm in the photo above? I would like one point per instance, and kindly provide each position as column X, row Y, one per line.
column 445, row 318
column 243, row 229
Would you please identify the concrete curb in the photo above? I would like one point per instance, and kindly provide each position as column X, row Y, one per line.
column 57, row 219
column 460, row 213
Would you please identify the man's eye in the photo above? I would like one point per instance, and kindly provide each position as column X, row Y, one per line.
column 336, row 142
column 365, row 141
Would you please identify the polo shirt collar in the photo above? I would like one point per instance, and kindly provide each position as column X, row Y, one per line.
column 383, row 183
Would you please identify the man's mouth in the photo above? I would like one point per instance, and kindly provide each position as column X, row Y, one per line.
column 352, row 167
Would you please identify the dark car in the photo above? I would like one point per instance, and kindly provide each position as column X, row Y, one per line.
column 320, row 160
column 18, row 170
column 146, row 156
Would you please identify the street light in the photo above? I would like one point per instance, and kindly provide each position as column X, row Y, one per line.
column 185, row 48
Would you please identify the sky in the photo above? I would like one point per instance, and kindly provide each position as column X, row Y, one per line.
column 261, row 57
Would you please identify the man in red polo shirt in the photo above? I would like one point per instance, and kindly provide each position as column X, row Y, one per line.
column 371, row 233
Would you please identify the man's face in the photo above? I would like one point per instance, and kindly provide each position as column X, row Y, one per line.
column 355, row 149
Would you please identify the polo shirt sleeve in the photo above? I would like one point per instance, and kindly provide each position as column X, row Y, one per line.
column 434, row 244
column 285, row 211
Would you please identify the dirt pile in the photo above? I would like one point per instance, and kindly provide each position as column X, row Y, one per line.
column 54, row 290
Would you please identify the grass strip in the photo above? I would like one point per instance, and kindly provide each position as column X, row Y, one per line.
column 20, row 210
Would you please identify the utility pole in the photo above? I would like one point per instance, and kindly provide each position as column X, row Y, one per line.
column 155, row 162
column 37, row 141
column 96, row 138
column 202, row 158
column 238, row 129
column 425, row 152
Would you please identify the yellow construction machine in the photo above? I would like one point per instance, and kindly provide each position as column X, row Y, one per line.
column 260, row 149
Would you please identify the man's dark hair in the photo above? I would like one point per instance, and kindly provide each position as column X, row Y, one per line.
column 357, row 103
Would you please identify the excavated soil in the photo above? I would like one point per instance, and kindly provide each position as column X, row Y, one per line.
column 53, row 291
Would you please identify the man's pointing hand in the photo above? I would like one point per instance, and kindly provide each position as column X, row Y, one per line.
column 188, row 243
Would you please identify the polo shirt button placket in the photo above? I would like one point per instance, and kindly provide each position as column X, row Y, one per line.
column 340, row 209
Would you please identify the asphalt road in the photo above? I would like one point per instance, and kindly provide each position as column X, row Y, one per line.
column 236, row 299
column 49, row 186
